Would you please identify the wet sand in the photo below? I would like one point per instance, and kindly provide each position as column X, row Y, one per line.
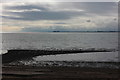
column 22, row 72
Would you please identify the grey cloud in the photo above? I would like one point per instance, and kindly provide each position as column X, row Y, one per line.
column 88, row 21
column 60, row 23
column 102, row 8
column 27, row 7
column 99, row 8
column 44, row 15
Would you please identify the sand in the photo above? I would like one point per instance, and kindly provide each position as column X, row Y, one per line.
column 22, row 72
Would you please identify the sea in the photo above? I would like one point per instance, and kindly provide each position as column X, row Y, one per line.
column 65, row 40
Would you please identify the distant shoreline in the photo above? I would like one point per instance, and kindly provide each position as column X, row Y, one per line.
column 67, row 32
column 85, row 31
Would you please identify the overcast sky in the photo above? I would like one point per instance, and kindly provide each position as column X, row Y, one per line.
column 62, row 16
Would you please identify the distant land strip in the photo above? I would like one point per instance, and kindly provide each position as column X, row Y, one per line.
column 84, row 31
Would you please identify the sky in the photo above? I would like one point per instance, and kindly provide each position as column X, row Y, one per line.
column 58, row 16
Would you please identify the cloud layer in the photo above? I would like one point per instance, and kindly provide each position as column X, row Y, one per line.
column 63, row 16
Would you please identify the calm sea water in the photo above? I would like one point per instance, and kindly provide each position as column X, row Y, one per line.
column 51, row 40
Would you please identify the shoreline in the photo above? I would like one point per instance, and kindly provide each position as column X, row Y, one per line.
column 19, row 54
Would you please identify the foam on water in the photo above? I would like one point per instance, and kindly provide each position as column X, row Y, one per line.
column 3, row 51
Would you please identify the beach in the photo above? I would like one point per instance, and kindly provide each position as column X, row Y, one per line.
column 13, row 72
